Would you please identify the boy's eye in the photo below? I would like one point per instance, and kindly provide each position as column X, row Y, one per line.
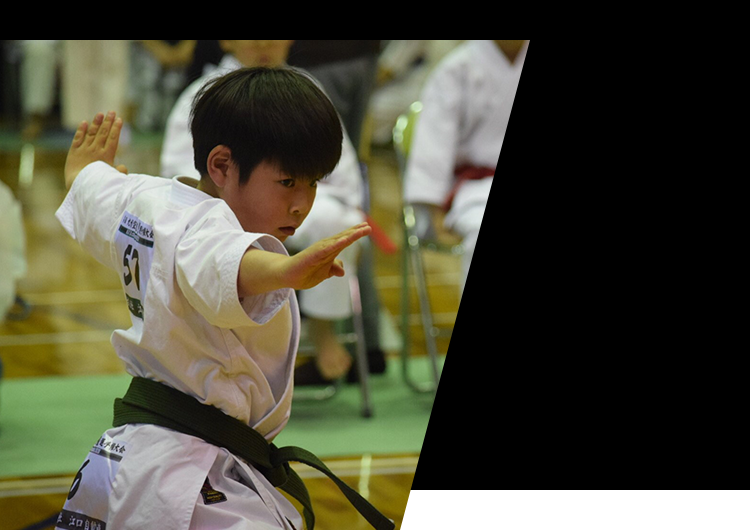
column 289, row 183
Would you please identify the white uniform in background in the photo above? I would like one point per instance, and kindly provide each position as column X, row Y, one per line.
column 12, row 248
column 94, row 79
column 409, row 62
column 466, row 107
column 337, row 204
column 178, row 251
column 39, row 67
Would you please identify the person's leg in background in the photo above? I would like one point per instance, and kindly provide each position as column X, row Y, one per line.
column 39, row 63
column 330, row 301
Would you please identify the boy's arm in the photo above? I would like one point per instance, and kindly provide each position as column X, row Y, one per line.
column 262, row 272
column 93, row 142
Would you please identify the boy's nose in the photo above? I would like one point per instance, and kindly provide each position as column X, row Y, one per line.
column 303, row 202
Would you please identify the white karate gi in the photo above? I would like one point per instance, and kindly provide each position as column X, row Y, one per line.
column 337, row 203
column 466, row 107
column 178, row 251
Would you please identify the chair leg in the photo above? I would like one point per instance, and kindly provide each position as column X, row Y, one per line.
column 412, row 266
column 429, row 329
column 363, row 369
column 405, row 309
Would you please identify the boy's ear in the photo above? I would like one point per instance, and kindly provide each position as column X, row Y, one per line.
column 219, row 165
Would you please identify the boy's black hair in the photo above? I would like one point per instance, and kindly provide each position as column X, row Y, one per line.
column 277, row 115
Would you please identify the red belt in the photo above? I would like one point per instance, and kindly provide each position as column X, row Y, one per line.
column 464, row 173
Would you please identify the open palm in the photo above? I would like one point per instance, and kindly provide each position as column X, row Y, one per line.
column 93, row 142
column 318, row 262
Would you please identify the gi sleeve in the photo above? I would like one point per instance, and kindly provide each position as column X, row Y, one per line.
column 207, row 265
column 93, row 207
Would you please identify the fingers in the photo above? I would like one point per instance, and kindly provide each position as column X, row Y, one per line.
column 330, row 247
column 349, row 236
column 95, row 141
column 94, row 128
column 102, row 136
column 80, row 134
column 321, row 257
column 103, row 130
column 110, row 138
column 337, row 269
column 116, row 129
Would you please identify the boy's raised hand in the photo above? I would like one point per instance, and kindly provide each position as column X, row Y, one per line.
column 93, row 142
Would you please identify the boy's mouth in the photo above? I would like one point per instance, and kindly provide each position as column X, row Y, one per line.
column 287, row 230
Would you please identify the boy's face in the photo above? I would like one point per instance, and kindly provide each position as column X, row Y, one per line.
column 270, row 202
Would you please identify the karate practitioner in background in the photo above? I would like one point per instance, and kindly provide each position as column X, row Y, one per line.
column 459, row 134
column 12, row 249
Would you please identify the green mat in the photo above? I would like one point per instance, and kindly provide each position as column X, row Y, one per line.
column 47, row 425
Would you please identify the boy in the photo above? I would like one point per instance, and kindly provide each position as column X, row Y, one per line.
column 210, row 289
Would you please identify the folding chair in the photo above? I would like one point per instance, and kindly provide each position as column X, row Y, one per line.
column 419, row 235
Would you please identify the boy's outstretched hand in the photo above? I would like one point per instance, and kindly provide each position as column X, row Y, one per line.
column 318, row 262
column 261, row 271
column 93, row 142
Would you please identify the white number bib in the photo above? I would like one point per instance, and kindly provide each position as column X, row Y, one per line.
column 134, row 242
column 88, row 499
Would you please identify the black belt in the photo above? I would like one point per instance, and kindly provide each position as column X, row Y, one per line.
column 150, row 402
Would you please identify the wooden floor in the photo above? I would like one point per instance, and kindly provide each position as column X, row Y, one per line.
column 384, row 480
column 76, row 304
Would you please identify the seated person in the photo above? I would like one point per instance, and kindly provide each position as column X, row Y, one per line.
column 457, row 139
column 12, row 253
